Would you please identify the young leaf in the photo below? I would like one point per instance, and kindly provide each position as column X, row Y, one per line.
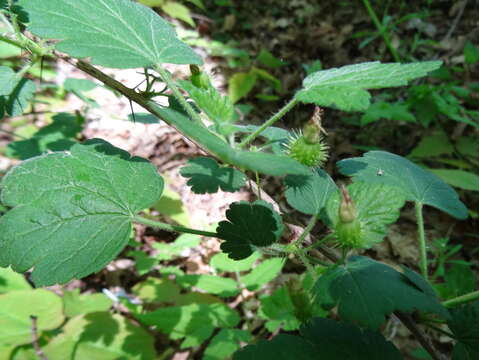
column 225, row 343
column 221, row 262
column 263, row 273
column 323, row 339
column 377, row 206
column 119, row 34
column 416, row 184
column 8, row 80
column 309, row 194
column 281, row 347
column 58, row 136
column 218, row 108
column 71, row 212
column 249, row 225
column 196, row 322
column 101, row 335
column 465, row 325
column 365, row 291
column 346, row 87
column 205, row 176
column 216, row 285
column 76, row 304
column 16, row 307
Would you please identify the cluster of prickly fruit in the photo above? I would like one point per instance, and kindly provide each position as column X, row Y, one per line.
column 307, row 146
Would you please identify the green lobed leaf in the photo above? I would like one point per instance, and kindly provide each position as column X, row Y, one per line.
column 309, row 194
column 279, row 310
column 458, row 178
column 416, row 184
column 240, row 85
column 195, row 322
column 249, row 225
column 263, row 273
column 16, row 307
column 377, row 206
column 76, row 304
column 119, row 34
column 58, row 136
column 365, row 291
column 106, row 336
column 206, row 176
column 72, row 211
column 17, row 102
column 8, row 80
column 323, row 339
column 465, row 326
column 225, row 343
column 346, row 87
column 221, row 262
column 12, row 281
column 216, row 285
column 384, row 110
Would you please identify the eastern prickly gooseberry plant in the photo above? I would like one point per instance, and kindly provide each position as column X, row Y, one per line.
column 69, row 212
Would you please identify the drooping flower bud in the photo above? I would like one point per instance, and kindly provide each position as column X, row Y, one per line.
column 198, row 78
column 348, row 228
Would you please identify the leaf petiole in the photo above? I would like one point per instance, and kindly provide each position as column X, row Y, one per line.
column 422, row 240
column 172, row 228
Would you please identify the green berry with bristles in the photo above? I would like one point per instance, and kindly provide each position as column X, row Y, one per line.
column 312, row 154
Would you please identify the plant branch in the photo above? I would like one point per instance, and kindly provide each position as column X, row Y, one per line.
column 382, row 30
column 165, row 75
column 408, row 321
column 292, row 103
column 306, row 231
column 38, row 350
column 463, row 299
column 422, row 240
column 172, row 228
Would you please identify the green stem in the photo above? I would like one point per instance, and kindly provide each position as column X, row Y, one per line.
column 304, row 259
column 306, row 231
column 173, row 228
column 320, row 242
column 269, row 122
column 422, row 240
column 381, row 30
column 462, row 299
column 165, row 75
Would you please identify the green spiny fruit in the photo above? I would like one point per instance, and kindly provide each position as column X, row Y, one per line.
column 308, row 153
column 348, row 228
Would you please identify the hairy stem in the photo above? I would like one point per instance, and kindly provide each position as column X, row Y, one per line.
column 422, row 240
column 172, row 228
column 165, row 75
column 382, row 30
column 269, row 122
column 306, row 231
column 463, row 299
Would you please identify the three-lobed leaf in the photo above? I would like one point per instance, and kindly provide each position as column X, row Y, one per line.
column 365, row 291
column 118, row 34
column 72, row 211
column 323, row 339
column 417, row 184
column 206, row 176
column 346, row 87
column 249, row 225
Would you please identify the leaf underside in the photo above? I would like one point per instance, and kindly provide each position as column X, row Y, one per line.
column 365, row 291
column 417, row 184
column 345, row 87
column 71, row 211
column 118, row 34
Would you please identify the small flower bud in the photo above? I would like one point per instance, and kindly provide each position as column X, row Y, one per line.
column 347, row 209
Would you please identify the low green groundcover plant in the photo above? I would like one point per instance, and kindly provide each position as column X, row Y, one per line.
column 69, row 207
